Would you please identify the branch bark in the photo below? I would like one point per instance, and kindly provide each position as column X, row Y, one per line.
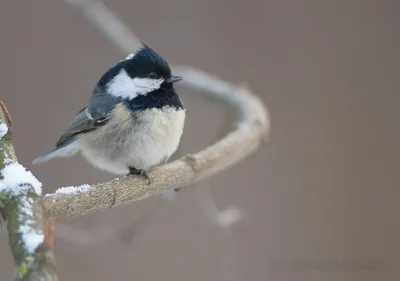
column 21, row 207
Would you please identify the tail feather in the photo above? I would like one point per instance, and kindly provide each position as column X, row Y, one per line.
column 64, row 151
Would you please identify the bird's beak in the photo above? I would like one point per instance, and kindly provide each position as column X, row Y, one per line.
column 174, row 79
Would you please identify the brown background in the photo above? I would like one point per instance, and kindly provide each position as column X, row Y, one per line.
column 324, row 187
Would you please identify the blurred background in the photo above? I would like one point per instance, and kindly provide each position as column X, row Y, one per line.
column 324, row 188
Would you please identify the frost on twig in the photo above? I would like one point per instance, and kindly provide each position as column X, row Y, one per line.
column 21, row 207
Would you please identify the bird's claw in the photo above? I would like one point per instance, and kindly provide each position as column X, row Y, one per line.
column 140, row 173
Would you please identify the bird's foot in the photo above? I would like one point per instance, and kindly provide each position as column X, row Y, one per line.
column 140, row 173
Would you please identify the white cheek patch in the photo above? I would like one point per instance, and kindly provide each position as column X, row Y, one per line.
column 124, row 86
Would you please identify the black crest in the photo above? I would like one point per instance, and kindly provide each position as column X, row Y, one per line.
column 146, row 61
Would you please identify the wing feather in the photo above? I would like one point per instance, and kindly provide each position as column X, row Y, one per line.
column 85, row 120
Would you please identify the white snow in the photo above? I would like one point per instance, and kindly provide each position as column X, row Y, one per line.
column 3, row 129
column 73, row 189
column 31, row 237
column 14, row 174
column 18, row 181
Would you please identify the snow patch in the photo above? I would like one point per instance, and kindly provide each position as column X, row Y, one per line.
column 16, row 179
column 3, row 129
column 73, row 189
column 31, row 237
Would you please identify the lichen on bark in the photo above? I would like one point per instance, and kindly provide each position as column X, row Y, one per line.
column 21, row 208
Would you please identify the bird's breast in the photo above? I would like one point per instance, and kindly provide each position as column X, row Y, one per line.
column 141, row 139
column 158, row 132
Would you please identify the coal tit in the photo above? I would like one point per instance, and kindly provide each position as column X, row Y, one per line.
column 134, row 119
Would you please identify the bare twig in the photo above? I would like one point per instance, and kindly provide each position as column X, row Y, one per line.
column 31, row 239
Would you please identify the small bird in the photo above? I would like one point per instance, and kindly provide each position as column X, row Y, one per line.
column 134, row 119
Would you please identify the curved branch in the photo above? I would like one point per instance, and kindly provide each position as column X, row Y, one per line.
column 252, row 128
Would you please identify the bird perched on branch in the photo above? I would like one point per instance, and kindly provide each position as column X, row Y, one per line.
column 134, row 119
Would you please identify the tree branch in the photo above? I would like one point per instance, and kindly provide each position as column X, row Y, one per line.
column 252, row 129
column 21, row 207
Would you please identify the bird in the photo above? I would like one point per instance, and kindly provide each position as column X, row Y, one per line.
column 133, row 121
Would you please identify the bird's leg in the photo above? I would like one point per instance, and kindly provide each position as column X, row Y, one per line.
column 139, row 172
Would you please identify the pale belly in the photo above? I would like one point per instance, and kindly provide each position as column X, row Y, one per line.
column 142, row 142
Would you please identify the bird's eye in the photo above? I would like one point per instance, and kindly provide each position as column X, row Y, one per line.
column 153, row 75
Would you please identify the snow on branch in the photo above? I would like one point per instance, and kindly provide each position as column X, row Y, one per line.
column 21, row 207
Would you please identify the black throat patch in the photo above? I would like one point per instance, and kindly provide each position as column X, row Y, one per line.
column 165, row 96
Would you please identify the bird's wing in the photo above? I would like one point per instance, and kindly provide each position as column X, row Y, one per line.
column 86, row 120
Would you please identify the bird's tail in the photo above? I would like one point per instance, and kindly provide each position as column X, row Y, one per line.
column 66, row 150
